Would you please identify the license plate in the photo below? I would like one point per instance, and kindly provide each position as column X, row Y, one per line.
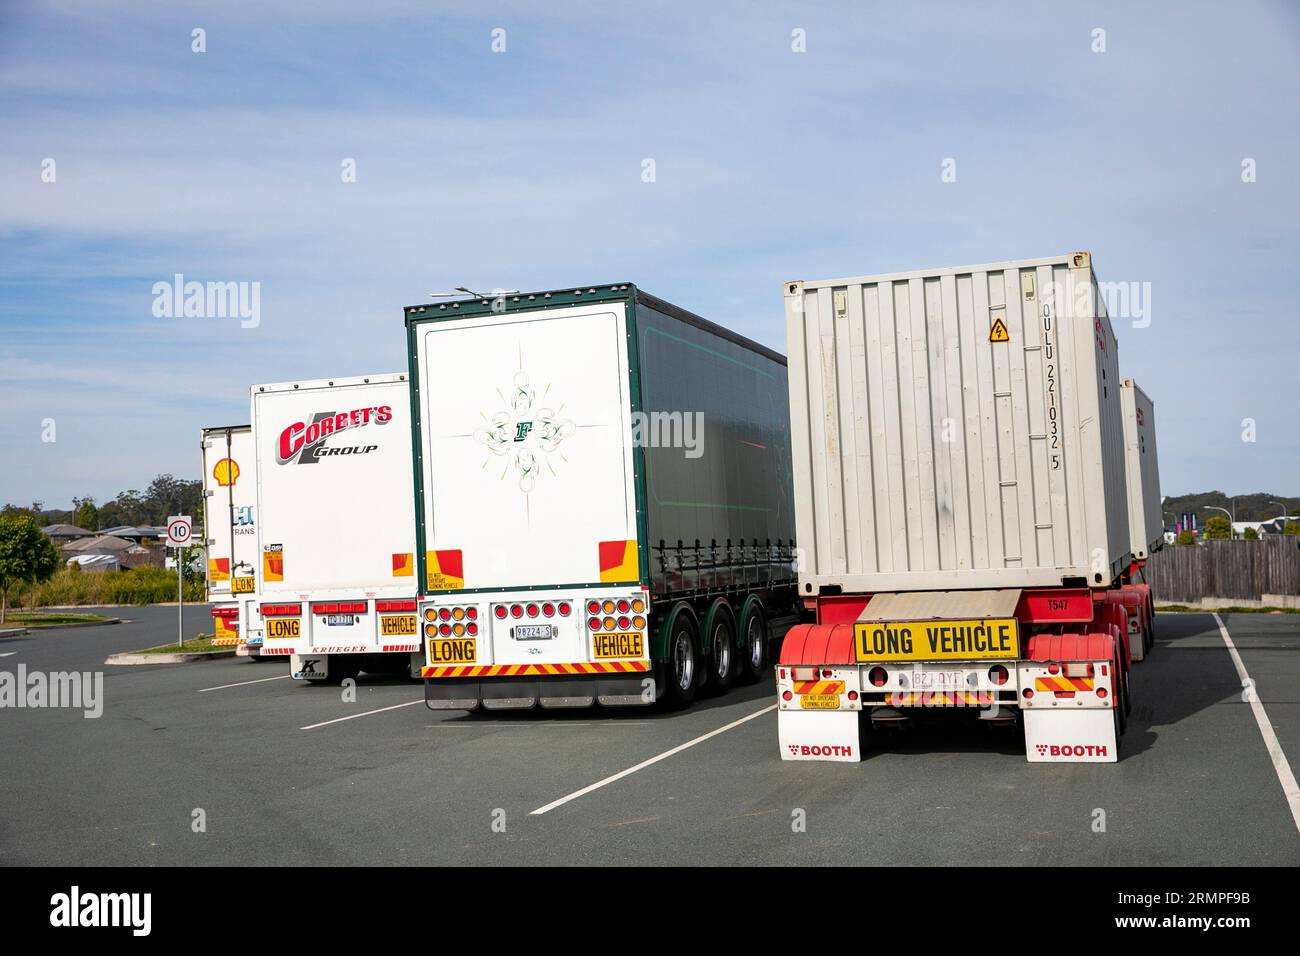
column 397, row 625
column 617, row 645
column 453, row 650
column 244, row 585
column 339, row 620
column 276, row 628
column 939, row 680
column 534, row 632
column 820, row 702
column 971, row 639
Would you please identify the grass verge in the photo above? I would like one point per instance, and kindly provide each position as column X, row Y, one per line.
column 195, row 645
column 54, row 619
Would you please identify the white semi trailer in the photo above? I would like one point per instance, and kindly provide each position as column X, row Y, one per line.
column 230, row 536
column 334, row 496
column 962, row 503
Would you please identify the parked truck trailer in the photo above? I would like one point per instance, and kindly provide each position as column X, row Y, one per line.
column 334, row 499
column 230, row 536
column 961, row 497
column 1145, row 515
column 603, row 494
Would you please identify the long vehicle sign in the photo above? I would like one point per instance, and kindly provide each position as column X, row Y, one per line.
column 937, row 640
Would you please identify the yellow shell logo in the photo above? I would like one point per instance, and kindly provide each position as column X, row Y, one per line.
column 226, row 472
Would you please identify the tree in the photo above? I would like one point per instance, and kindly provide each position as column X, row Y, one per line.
column 26, row 554
column 1218, row 528
column 1251, row 534
column 86, row 514
column 1185, row 537
column 1292, row 527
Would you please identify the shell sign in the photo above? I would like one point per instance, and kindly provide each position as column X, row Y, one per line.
column 226, row 472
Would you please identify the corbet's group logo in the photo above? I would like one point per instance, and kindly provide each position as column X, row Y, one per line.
column 305, row 444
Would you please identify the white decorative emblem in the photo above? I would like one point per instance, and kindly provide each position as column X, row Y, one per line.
column 525, row 435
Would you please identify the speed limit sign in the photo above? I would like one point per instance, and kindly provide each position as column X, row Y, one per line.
column 180, row 528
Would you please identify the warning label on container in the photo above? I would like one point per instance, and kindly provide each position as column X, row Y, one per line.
column 999, row 332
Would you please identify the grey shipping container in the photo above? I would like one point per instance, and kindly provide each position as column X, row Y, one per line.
column 957, row 428
column 1146, row 523
column 555, row 425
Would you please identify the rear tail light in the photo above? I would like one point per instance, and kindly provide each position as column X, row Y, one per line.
column 624, row 606
column 1102, row 693
column 458, row 613
column 458, row 630
column 638, row 605
column 609, row 623
column 444, row 629
column 638, row 622
column 431, row 614
column 471, row 613
column 624, row 623
column 1027, row 693
column 1053, row 669
column 786, row 695
column 444, row 613
column 532, row 610
column 594, row 623
column 853, row 695
column 608, row 607
column 430, row 630
column 472, row 627
column 828, row 673
column 593, row 607
column 565, row 609
column 501, row 610
column 548, row 610
column 516, row 610
column 998, row 674
column 878, row 676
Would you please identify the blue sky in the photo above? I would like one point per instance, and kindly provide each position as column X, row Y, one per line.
column 523, row 170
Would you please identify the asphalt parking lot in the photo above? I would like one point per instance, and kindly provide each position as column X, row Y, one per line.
column 290, row 774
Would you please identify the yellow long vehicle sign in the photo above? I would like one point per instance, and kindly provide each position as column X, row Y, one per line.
column 937, row 640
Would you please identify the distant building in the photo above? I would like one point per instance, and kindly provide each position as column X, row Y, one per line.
column 61, row 534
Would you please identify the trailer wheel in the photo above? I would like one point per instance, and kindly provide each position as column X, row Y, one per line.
column 683, row 665
column 753, row 641
column 722, row 645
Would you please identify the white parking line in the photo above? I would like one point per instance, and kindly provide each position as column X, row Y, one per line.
column 9, row 654
column 653, row 760
column 336, row 720
column 1280, row 765
column 245, row 683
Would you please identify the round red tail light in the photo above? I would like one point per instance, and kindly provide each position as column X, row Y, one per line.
column 786, row 695
column 623, row 606
column 1102, row 693
column 1053, row 669
column 548, row 610
column 501, row 610
column 593, row 623
column 827, row 672
column 1027, row 693
column 516, row 610
column 878, row 676
column 624, row 624
column 471, row 613
column 565, row 609
column 998, row 674
column 593, row 607
column 853, row 695
column 444, row 630
column 445, row 613
column 532, row 610
column 472, row 627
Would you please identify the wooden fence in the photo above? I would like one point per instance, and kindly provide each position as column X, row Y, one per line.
column 1245, row 570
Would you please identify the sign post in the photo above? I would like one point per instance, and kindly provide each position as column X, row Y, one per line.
column 180, row 529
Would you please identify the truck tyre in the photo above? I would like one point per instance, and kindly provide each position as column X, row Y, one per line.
column 682, row 669
column 722, row 654
column 753, row 641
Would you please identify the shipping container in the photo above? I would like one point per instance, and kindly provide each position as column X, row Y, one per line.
column 1146, row 521
column 337, row 589
column 957, row 428
column 230, row 534
column 600, row 476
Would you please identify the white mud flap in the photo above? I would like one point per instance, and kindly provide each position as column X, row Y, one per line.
column 1071, row 736
column 819, row 735
column 303, row 667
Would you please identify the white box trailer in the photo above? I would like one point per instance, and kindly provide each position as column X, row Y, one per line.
column 962, row 504
column 230, row 535
column 604, row 499
column 335, row 501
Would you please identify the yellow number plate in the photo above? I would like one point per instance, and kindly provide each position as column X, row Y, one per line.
column 245, row 585
column 937, row 640
column 604, row 646
column 820, row 701
column 276, row 628
column 453, row 650
column 402, row 625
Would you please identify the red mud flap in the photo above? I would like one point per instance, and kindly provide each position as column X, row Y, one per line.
column 1068, row 699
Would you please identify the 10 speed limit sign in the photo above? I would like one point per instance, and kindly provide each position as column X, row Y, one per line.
column 180, row 529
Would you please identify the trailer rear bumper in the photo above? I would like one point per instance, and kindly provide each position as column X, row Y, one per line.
column 514, row 693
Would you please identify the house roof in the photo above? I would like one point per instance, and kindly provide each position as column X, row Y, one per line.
column 66, row 531
column 99, row 544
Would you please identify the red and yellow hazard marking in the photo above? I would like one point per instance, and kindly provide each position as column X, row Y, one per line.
column 404, row 565
column 618, row 562
column 940, row 698
column 218, row 569
column 1062, row 683
column 224, row 634
column 539, row 670
column 818, row 687
column 272, row 565
column 444, row 570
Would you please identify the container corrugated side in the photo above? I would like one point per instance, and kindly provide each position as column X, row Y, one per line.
column 928, row 457
column 1142, row 468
